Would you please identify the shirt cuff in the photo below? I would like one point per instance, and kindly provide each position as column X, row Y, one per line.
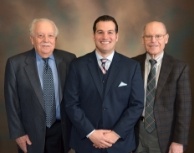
column 90, row 134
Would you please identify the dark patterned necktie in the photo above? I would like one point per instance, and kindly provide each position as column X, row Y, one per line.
column 49, row 94
column 150, row 96
column 103, row 61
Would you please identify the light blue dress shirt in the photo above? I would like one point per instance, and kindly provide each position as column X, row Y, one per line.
column 52, row 64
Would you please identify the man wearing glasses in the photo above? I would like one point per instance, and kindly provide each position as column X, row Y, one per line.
column 164, row 125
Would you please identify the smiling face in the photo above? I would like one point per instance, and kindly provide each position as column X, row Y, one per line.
column 155, row 38
column 105, row 37
column 43, row 38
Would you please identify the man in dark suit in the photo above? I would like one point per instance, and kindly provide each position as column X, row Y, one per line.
column 25, row 99
column 171, row 111
column 104, row 95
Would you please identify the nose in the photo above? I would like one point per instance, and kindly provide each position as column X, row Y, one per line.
column 46, row 38
column 105, row 35
column 153, row 38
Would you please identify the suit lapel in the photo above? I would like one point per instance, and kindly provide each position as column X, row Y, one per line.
column 142, row 64
column 32, row 73
column 61, row 68
column 94, row 70
column 164, row 73
column 114, row 71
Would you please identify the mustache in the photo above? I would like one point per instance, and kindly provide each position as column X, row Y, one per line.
column 45, row 44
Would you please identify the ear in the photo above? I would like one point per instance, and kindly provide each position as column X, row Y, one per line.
column 117, row 37
column 142, row 40
column 93, row 35
column 32, row 40
column 166, row 38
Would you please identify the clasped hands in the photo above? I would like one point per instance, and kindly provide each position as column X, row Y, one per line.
column 103, row 138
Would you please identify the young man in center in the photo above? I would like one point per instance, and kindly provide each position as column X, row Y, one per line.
column 104, row 95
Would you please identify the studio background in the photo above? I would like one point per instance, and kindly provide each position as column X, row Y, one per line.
column 75, row 18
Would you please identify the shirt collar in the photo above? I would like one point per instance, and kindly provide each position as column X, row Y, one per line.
column 110, row 57
column 38, row 57
column 158, row 58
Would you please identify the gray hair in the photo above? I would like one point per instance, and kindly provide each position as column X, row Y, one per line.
column 33, row 24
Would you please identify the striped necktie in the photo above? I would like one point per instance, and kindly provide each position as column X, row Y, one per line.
column 103, row 65
column 150, row 97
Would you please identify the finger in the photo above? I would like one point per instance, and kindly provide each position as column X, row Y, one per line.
column 28, row 142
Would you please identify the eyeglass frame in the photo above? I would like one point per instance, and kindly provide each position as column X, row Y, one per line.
column 157, row 37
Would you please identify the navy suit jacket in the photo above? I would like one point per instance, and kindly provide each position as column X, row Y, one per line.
column 24, row 98
column 117, row 109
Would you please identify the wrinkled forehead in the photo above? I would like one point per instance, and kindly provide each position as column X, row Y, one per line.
column 155, row 28
column 44, row 27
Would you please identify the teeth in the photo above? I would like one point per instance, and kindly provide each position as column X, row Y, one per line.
column 105, row 42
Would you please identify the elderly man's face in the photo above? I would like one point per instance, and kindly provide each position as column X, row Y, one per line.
column 155, row 38
column 43, row 38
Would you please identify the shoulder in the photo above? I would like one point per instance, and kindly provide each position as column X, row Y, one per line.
column 22, row 56
column 124, row 59
column 64, row 53
column 89, row 57
column 174, row 61
column 140, row 57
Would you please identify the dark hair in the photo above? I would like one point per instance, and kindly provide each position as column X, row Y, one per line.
column 105, row 18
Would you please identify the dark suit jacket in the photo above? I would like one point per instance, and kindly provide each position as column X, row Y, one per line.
column 24, row 100
column 119, row 108
column 172, row 109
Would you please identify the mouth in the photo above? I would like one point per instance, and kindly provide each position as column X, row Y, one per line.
column 45, row 45
column 105, row 42
column 153, row 46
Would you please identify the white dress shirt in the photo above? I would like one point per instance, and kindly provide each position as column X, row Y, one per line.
column 147, row 70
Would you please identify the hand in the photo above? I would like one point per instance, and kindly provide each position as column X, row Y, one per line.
column 176, row 148
column 22, row 142
column 112, row 137
column 99, row 140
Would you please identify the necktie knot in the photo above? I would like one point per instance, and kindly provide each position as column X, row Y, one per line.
column 152, row 62
column 46, row 63
column 103, row 60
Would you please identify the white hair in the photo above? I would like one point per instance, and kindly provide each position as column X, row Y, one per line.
column 35, row 21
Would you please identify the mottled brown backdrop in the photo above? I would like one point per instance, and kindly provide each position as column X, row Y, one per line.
column 75, row 19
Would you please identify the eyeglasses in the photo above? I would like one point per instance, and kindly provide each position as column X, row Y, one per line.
column 150, row 37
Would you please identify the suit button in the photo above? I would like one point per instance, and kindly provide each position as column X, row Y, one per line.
column 104, row 109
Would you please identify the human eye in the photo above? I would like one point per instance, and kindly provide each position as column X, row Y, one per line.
column 158, row 36
column 147, row 36
column 111, row 32
column 99, row 32
column 51, row 36
column 40, row 36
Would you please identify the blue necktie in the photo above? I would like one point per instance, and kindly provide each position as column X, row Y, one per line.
column 49, row 94
column 150, row 97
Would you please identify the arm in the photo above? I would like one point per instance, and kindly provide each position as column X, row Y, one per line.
column 182, row 110
column 72, row 103
column 12, row 103
column 76, row 113
column 131, row 115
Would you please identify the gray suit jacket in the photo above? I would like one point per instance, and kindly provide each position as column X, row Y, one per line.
column 172, row 109
column 24, row 99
